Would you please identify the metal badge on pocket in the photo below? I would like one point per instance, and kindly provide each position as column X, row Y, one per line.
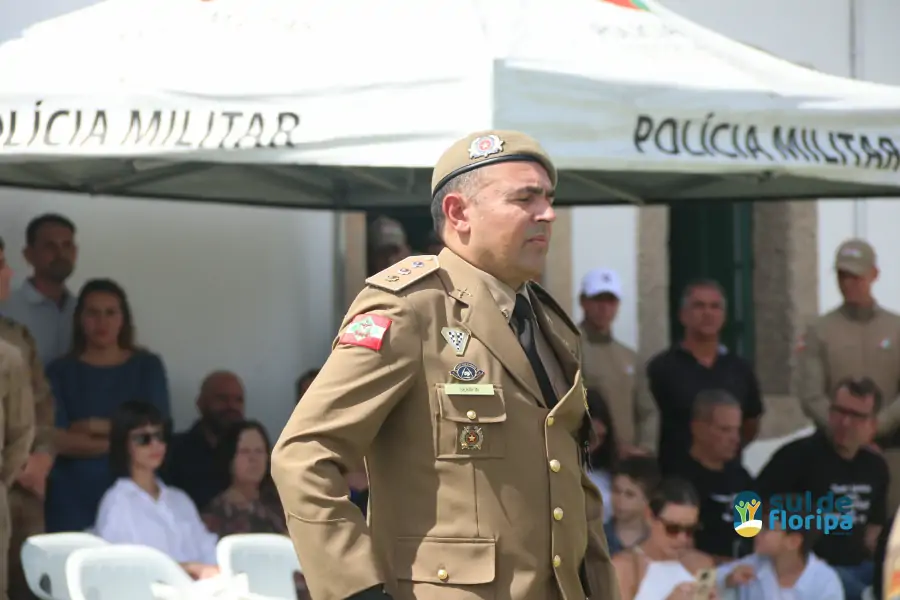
column 471, row 437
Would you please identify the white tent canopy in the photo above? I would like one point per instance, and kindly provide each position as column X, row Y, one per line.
column 348, row 103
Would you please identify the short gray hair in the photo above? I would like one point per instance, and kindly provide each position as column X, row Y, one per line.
column 461, row 184
column 709, row 400
column 706, row 284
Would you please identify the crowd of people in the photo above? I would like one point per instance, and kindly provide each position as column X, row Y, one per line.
column 105, row 458
column 665, row 451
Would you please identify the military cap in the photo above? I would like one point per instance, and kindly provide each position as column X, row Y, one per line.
column 483, row 148
column 855, row 256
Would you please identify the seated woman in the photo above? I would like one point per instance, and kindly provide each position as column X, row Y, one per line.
column 665, row 566
column 250, row 504
column 604, row 449
column 139, row 508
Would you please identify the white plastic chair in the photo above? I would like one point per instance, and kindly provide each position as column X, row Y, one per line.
column 44, row 561
column 115, row 571
column 268, row 560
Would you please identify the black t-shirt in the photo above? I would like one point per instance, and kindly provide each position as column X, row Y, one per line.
column 193, row 466
column 675, row 378
column 811, row 464
column 717, row 490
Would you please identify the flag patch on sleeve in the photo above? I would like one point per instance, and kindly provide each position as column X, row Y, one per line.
column 367, row 331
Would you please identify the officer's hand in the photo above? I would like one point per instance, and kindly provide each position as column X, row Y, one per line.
column 34, row 476
column 741, row 575
column 683, row 591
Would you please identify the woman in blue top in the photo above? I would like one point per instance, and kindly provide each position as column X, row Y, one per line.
column 103, row 370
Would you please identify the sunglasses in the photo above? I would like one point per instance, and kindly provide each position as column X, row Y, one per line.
column 145, row 438
column 674, row 529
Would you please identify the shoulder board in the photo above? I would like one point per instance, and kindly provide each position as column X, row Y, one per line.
column 404, row 273
column 545, row 297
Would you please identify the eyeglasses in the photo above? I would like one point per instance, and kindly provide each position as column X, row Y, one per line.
column 145, row 438
column 846, row 412
column 674, row 529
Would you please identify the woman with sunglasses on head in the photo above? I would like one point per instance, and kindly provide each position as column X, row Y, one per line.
column 665, row 566
column 138, row 508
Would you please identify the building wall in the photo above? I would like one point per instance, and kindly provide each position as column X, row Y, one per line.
column 794, row 242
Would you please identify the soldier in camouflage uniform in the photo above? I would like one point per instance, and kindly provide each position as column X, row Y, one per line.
column 17, row 417
column 26, row 497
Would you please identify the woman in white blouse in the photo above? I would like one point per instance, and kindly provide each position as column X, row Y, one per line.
column 139, row 508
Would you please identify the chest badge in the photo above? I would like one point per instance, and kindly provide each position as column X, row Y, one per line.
column 466, row 371
column 457, row 338
column 471, row 437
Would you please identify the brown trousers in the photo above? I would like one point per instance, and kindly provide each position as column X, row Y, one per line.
column 26, row 514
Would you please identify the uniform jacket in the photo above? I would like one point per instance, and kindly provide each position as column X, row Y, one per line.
column 839, row 345
column 16, row 412
column 611, row 368
column 19, row 336
column 471, row 495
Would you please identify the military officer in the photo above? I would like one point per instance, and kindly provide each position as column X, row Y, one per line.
column 610, row 366
column 459, row 380
column 857, row 339
column 26, row 497
column 17, row 416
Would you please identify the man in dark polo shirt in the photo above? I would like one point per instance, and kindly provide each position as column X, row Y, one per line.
column 699, row 362
column 192, row 463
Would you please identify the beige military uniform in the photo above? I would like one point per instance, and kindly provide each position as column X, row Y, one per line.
column 850, row 342
column 854, row 342
column 16, row 436
column 610, row 367
column 476, row 489
column 26, row 509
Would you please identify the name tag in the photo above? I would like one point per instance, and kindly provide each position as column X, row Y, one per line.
column 469, row 389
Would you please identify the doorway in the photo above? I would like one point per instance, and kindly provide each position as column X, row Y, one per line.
column 714, row 240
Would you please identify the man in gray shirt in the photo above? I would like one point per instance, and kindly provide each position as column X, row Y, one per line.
column 43, row 304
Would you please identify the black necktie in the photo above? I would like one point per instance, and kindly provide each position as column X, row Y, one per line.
column 524, row 323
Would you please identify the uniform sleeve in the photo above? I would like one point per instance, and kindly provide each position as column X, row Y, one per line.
column 43, row 400
column 328, row 434
column 646, row 416
column 601, row 574
column 18, row 416
column 812, row 387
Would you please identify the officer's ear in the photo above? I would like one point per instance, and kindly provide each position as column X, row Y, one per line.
column 875, row 273
column 456, row 212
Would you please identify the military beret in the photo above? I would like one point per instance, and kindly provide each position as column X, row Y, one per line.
column 483, row 148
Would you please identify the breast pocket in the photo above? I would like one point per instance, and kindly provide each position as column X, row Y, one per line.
column 470, row 427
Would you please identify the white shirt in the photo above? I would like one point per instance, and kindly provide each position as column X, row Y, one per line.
column 603, row 480
column 817, row 582
column 170, row 523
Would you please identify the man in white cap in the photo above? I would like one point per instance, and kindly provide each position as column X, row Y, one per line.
column 610, row 366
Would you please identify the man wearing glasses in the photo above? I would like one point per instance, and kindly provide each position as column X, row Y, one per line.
column 837, row 460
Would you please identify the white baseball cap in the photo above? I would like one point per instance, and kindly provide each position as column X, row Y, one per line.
column 601, row 281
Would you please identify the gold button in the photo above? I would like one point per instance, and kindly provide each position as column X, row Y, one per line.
column 557, row 561
column 549, row 421
column 555, row 466
column 471, row 414
column 443, row 574
column 558, row 513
